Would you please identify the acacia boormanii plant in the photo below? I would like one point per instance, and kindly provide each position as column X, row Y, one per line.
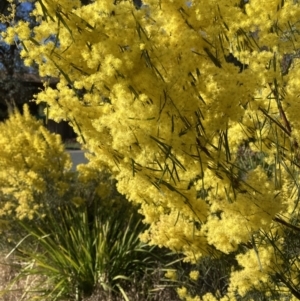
column 164, row 95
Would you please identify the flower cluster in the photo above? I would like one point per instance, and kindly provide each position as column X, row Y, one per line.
column 33, row 164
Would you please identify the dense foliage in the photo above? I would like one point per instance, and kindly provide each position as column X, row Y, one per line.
column 23, row 178
column 193, row 106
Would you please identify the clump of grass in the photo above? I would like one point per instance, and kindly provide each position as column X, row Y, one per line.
column 81, row 250
column 87, row 252
column 83, row 247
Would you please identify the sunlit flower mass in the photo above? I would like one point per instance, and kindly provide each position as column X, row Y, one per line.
column 193, row 109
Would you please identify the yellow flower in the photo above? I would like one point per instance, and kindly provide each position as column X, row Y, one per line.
column 182, row 292
column 171, row 274
column 194, row 275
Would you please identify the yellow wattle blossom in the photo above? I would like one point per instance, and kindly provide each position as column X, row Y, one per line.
column 32, row 164
column 209, row 297
column 171, row 274
column 257, row 268
column 194, row 275
column 182, row 292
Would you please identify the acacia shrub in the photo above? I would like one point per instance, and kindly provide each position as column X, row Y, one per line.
column 154, row 98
